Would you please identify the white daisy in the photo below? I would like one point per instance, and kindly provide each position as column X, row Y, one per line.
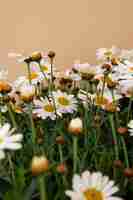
column 105, row 53
column 8, row 140
column 44, row 108
column 65, row 103
column 27, row 92
column 130, row 127
column 92, row 186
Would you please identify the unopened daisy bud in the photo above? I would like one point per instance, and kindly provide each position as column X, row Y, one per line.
column 128, row 172
column 75, row 126
column 61, row 168
column 118, row 163
column 39, row 165
column 122, row 130
column 107, row 66
column 115, row 61
column 36, row 56
column 27, row 92
column 5, row 87
column 60, row 140
column 51, row 54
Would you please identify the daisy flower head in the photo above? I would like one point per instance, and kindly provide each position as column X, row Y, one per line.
column 27, row 92
column 92, row 186
column 65, row 103
column 9, row 141
column 104, row 54
column 44, row 108
column 130, row 127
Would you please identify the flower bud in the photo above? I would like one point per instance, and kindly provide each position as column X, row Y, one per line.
column 128, row 172
column 61, row 168
column 51, row 54
column 75, row 126
column 122, row 130
column 36, row 56
column 5, row 87
column 118, row 163
column 39, row 165
column 27, row 92
column 60, row 140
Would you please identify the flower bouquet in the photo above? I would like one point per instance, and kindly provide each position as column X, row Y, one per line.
column 68, row 135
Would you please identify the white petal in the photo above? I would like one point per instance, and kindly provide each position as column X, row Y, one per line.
column 2, row 154
column 15, row 138
column 13, row 146
column 74, row 195
column 4, row 130
column 77, row 183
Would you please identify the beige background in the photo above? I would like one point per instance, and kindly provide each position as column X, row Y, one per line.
column 73, row 28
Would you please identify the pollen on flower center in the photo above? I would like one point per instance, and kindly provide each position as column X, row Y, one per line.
column 33, row 75
column 63, row 101
column 93, row 194
column 108, row 53
column 49, row 108
column 45, row 68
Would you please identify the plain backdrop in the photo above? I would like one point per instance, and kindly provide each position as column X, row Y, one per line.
column 72, row 28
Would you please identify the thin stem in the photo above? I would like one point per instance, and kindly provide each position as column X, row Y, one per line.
column 125, row 152
column 75, row 153
column 11, row 114
column 129, row 109
column 32, row 124
column 11, row 168
column 61, row 153
column 42, row 187
column 111, row 120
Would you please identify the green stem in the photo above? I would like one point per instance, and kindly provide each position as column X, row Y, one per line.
column 11, row 114
column 32, row 125
column 129, row 109
column 42, row 187
column 11, row 168
column 125, row 152
column 111, row 120
column 75, row 153
column 61, row 153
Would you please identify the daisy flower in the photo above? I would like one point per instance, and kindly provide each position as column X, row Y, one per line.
column 8, row 140
column 92, row 186
column 27, row 92
column 130, row 127
column 65, row 103
column 105, row 53
column 44, row 108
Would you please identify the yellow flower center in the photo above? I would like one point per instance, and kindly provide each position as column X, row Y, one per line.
column 45, row 68
column 33, row 75
column 108, row 54
column 130, row 69
column 63, row 101
column 49, row 108
column 100, row 100
column 93, row 194
column 1, row 140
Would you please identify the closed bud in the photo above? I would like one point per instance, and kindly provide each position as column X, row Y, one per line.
column 128, row 172
column 60, row 140
column 27, row 92
column 118, row 164
column 61, row 168
column 75, row 126
column 122, row 130
column 39, row 165
column 36, row 56
column 51, row 54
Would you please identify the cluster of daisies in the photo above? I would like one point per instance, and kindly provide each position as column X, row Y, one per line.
column 50, row 94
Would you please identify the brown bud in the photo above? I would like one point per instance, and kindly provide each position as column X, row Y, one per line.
column 61, row 168
column 39, row 165
column 118, row 163
column 122, row 130
column 5, row 87
column 128, row 172
column 114, row 61
column 60, row 140
column 36, row 56
column 107, row 66
column 51, row 54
